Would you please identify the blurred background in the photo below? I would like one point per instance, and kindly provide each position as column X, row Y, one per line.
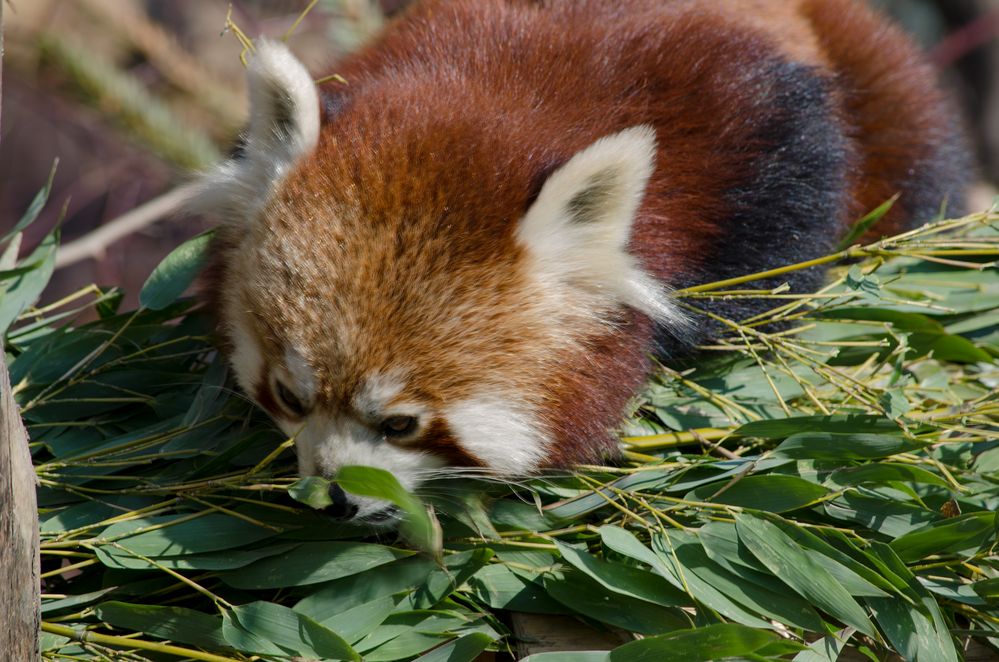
column 133, row 95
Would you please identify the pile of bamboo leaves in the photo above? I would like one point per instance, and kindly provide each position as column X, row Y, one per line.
column 830, row 482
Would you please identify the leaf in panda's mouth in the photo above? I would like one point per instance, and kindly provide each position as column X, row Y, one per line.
column 417, row 524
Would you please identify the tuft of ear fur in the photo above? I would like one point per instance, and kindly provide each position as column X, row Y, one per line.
column 578, row 228
column 283, row 126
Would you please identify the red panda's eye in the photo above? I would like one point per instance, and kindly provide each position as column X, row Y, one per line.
column 398, row 426
column 291, row 401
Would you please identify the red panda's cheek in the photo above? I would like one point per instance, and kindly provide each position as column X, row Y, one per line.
column 499, row 432
column 439, row 441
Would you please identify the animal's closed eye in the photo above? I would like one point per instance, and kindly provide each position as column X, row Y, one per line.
column 289, row 400
column 398, row 426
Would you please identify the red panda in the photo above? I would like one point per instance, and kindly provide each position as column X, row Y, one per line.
column 462, row 256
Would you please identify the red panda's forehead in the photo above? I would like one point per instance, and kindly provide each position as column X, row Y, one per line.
column 424, row 282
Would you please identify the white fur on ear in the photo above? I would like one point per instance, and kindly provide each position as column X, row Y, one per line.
column 578, row 228
column 283, row 126
column 284, row 103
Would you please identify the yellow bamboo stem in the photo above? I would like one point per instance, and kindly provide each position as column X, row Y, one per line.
column 86, row 636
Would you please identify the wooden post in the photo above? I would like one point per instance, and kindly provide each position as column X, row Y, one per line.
column 20, row 591
column 19, row 561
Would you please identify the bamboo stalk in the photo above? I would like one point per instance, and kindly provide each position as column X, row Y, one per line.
column 85, row 636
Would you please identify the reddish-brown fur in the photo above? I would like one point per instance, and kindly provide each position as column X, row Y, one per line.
column 450, row 122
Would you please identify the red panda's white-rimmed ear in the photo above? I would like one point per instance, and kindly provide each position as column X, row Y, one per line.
column 578, row 229
column 284, row 103
column 283, row 125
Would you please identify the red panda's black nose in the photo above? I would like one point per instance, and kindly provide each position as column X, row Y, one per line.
column 341, row 508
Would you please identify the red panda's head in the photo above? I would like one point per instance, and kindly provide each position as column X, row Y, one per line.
column 411, row 293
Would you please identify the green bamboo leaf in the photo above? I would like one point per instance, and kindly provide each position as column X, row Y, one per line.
column 702, row 644
column 916, row 627
column 174, row 536
column 721, row 542
column 175, row 273
column 740, row 586
column 53, row 606
column 895, row 403
column 407, row 634
column 884, row 473
column 419, row 527
column 313, row 491
column 866, row 223
column 358, row 622
column 773, row 493
column 988, row 462
column 341, row 595
column 571, row 656
column 500, row 587
column 576, row 507
column 625, row 580
column 966, row 533
column 21, row 291
column 826, row 649
column 463, row 649
column 837, row 424
column 946, row 347
column 624, row 542
column 833, row 446
column 915, row 322
column 987, row 589
column 702, row 591
column 172, row 623
column 35, row 208
column 229, row 559
column 403, row 646
column 799, row 570
column 887, row 516
column 278, row 628
column 586, row 596
column 313, row 562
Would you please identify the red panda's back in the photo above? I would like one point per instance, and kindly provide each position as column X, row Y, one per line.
column 777, row 123
column 841, row 97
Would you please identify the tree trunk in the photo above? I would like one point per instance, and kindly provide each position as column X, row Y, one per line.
column 19, row 564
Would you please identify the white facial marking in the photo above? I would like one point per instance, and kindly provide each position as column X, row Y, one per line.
column 377, row 392
column 326, row 444
column 246, row 358
column 501, row 435
column 301, row 376
column 578, row 228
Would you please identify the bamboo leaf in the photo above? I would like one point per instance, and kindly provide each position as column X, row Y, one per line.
column 773, row 493
column 800, row 571
column 463, row 649
column 866, row 223
column 172, row 623
column 280, row 630
column 171, row 278
column 420, row 528
column 313, row 562
column 963, row 534
column 712, row 642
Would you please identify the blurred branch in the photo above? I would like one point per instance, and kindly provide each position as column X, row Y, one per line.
column 169, row 58
column 94, row 244
column 123, row 97
column 970, row 37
